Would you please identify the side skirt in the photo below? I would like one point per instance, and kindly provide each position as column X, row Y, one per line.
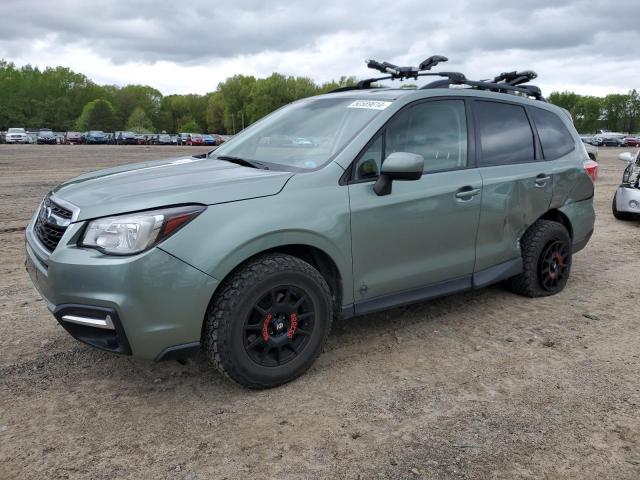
column 479, row 279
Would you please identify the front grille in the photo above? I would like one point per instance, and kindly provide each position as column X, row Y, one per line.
column 61, row 212
column 48, row 232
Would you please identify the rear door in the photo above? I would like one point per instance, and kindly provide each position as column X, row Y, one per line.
column 566, row 161
column 517, row 183
column 423, row 233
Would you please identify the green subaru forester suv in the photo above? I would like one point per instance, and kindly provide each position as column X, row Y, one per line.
column 333, row 206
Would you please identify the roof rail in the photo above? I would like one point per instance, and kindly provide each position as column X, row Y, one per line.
column 506, row 82
column 528, row 90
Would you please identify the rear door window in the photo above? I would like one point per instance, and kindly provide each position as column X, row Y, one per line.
column 505, row 133
column 555, row 138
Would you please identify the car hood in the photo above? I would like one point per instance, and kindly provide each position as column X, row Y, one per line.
column 160, row 183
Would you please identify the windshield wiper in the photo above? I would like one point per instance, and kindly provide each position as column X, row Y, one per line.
column 242, row 161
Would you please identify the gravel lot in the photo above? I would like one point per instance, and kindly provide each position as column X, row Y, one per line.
column 483, row 384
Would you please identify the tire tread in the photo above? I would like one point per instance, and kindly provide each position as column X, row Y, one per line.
column 527, row 283
column 221, row 311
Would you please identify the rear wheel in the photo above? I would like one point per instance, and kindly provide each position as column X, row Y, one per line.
column 546, row 257
column 269, row 321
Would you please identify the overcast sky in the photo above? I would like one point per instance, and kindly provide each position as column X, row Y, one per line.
column 587, row 46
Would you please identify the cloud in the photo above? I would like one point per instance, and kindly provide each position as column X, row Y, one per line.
column 584, row 44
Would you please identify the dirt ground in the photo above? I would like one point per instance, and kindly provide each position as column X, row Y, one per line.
column 478, row 385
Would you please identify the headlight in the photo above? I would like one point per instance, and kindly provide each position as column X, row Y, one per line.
column 136, row 232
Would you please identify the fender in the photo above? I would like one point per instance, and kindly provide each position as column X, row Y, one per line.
column 225, row 235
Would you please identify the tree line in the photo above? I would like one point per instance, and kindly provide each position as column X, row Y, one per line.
column 614, row 112
column 61, row 99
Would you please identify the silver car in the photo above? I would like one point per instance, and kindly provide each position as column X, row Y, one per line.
column 626, row 201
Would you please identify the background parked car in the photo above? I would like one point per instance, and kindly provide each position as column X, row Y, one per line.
column 164, row 139
column 96, row 137
column 73, row 138
column 612, row 142
column 140, row 139
column 609, row 139
column 626, row 201
column 16, row 135
column 126, row 138
column 631, row 142
column 195, row 139
column 592, row 151
column 209, row 139
column 183, row 138
column 46, row 137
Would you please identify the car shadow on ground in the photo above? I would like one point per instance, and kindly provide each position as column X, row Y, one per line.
column 65, row 360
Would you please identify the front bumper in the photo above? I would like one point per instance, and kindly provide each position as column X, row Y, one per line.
column 156, row 302
column 628, row 199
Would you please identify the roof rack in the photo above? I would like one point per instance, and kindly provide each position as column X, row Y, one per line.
column 506, row 82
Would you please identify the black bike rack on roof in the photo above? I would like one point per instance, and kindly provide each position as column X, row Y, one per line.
column 507, row 82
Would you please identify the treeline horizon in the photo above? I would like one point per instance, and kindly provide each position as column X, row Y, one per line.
column 64, row 100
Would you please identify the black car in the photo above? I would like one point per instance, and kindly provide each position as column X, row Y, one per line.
column 612, row 142
column 126, row 138
column 46, row 137
column 96, row 137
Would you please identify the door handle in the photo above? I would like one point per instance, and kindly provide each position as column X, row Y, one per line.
column 542, row 179
column 467, row 193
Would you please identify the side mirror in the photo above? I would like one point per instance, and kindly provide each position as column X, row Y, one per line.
column 627, row 157
column 398, row 166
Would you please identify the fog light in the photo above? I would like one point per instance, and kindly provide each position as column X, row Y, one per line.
column 634, row 204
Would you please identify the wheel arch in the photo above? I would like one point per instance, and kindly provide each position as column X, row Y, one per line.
column 557, row 216
column 337, row 278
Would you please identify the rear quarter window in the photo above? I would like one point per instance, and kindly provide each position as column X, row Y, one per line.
column 555, row 139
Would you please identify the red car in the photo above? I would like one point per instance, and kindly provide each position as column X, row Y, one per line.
column 72, row 138
column 196, row 139
column 141, row 139
column 631, row 142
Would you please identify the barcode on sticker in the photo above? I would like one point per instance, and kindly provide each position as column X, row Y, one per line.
column 370, row 104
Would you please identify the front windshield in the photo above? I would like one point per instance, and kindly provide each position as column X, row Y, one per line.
column 304, row 135
column 16, row 130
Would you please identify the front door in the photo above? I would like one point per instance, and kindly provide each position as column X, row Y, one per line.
column 421, row 237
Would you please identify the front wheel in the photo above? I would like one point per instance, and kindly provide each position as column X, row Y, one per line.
column 546, row 257
column 269, row 321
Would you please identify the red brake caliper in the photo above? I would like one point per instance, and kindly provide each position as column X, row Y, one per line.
column 265, row 327
column 293, row 326
column 560, row 261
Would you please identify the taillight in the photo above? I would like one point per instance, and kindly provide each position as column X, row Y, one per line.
column 591, row 167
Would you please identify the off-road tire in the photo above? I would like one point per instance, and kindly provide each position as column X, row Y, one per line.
column 616, row 213
column 224, row 330
column 533, row 243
